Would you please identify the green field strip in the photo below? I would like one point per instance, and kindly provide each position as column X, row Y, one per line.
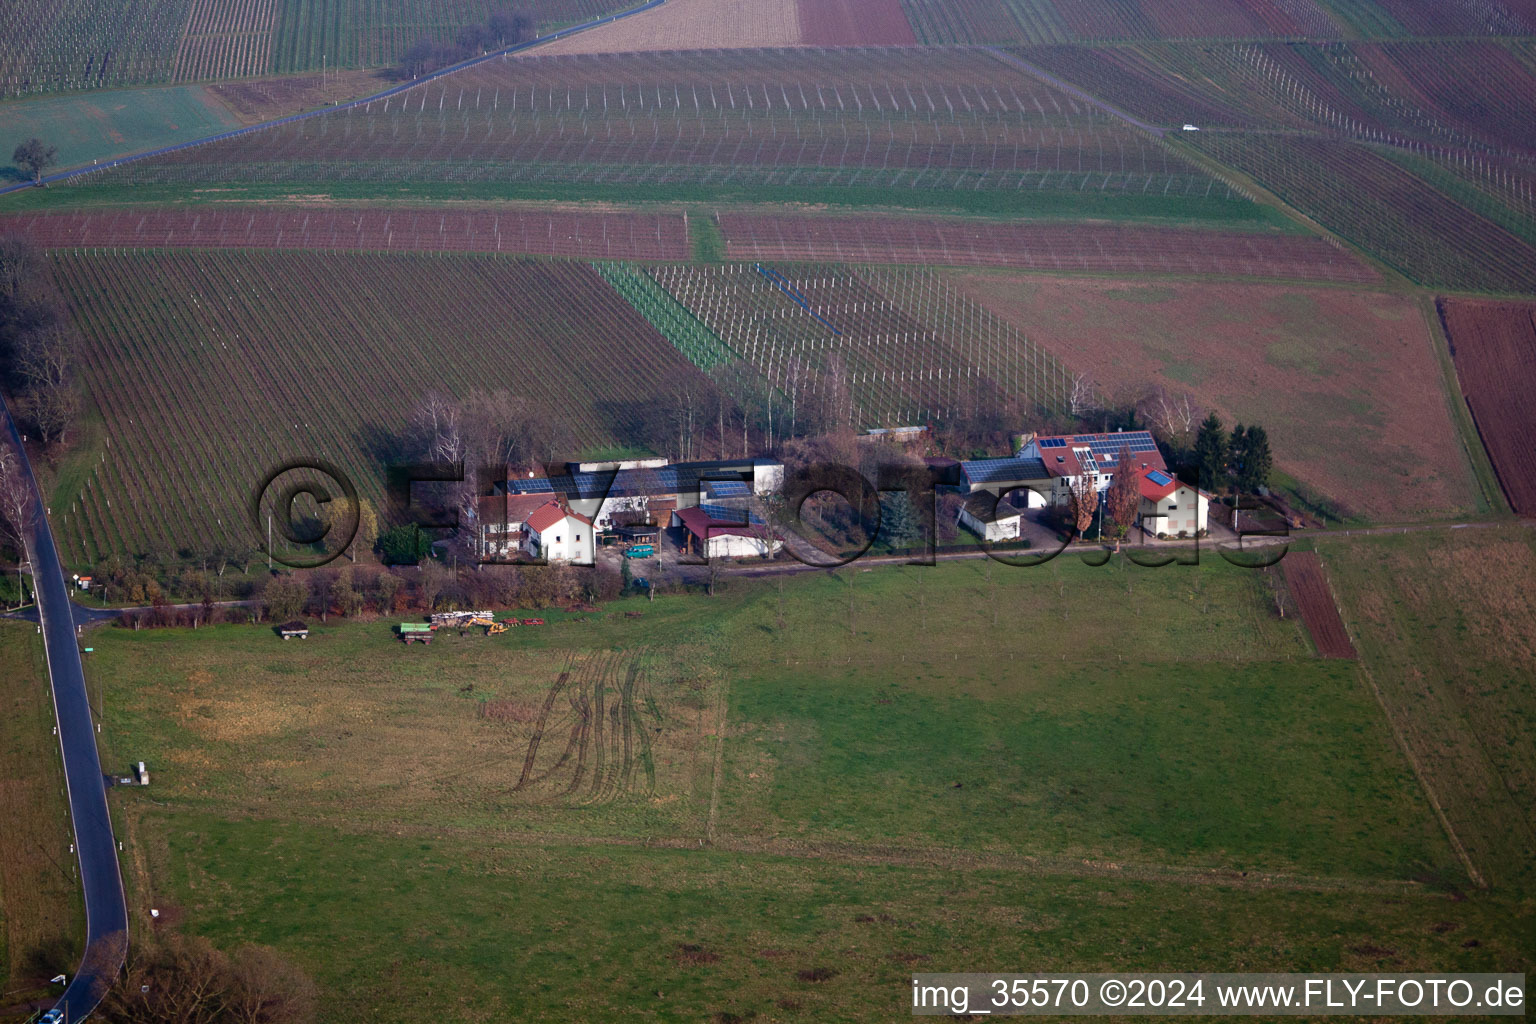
column 697, row 343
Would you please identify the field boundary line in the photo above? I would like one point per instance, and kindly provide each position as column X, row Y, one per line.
column 722, row 708
column 1423, row 778
column 938, row 858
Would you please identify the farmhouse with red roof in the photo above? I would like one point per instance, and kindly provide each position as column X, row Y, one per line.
column 555, row 533
column 1168, row 507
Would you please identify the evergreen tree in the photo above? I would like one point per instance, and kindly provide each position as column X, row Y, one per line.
column 1211, row 453
column 900, row 523
column 1251, row 460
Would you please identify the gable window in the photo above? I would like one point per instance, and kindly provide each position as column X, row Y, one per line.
column 557, row 538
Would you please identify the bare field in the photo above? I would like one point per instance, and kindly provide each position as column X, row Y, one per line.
column 1345, row 382
column 689, row 25
column 1314, row 597
column 1494, row 347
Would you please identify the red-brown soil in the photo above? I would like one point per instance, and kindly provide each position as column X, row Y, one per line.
column 548, row 233
column 854, row 23
column 1494, row 347
column 1088, row 247
column 1314, row 599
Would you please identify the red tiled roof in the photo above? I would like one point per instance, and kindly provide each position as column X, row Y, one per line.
column 513, row 509
column 1154, row 491
column 550, row 513
column 1063, row 461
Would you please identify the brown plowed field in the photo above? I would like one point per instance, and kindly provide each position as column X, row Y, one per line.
column 1494, row 347
column 1314, row 598
column 540, row 233
column 1098, row 247
column 1343, row 379
column 689, row 25
column 854, row 23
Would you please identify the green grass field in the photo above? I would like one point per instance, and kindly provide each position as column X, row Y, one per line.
column 103, row 125
column 1442, row 621
column 1112, row 768
column 40, row 906
column 1169, row 211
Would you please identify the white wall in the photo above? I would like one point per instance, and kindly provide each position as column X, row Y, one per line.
column 569, row 540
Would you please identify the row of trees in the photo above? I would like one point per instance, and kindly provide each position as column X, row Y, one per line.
column 505, row 27
column 38, row 344
column 1239, row 462
column 351, row 591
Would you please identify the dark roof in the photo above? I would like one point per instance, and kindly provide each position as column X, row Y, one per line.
column 984, row 509
column 682, row 478
column 1002, row 471
column 700, row 522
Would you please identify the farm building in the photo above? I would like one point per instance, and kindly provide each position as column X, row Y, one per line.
column 612, row 494
column 501, row 521
column 999, row 476
column 556, row 533
column 1171, row 507
column 990, row 519
column 1067, row 458
column 717, row 532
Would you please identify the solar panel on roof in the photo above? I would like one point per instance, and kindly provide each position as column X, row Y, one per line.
column 1160, row 478
column 1053, row 442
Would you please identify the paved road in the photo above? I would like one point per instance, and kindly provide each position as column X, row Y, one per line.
column 106, row 909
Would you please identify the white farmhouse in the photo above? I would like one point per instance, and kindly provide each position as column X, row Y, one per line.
column 1170, row 507
column 555, row 533
column 990, row 519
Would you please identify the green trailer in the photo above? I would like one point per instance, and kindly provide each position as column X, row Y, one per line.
column 410, row 632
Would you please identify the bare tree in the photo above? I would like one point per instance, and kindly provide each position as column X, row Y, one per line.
column 1124, row 497
column 1082, row 501
column 189, row 981
column 18, row 510
column 18, row 256
column 50, row 410
column 44, row 356
column 35, row 157
column 1084, row 397
column 1173, row 416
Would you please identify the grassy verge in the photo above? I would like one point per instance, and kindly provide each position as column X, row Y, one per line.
column 991, row 203
column 41, row 917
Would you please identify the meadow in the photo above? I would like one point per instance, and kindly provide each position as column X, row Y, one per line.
column 41, row 915
column 1442, row 622
column 952, row 765
column 103, row 125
